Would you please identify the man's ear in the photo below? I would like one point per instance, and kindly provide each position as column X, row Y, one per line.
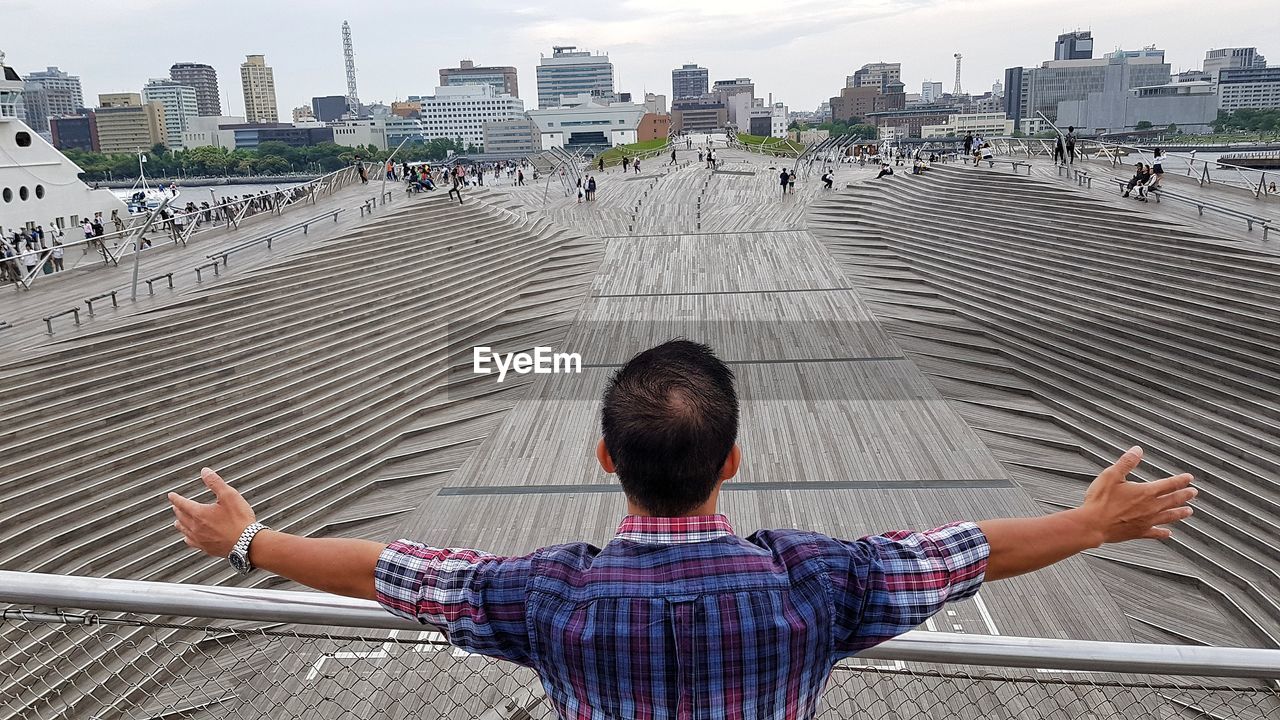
column 731, row 463
column 602, row 454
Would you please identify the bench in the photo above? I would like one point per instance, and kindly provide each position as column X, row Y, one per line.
column 1083, row 177
column 48, row 321
column 991, row 162
column 110, row 293
column 1151, row 191
column 151, row 289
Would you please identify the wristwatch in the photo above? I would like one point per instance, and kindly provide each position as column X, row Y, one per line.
column 239, row 557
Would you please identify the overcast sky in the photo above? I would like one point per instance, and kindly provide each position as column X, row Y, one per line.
column 799, row 50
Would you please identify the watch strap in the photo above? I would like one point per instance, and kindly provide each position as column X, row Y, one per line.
column 241, row 547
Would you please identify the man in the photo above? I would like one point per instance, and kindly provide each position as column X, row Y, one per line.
column 677, row 616
column 456, row 186
column 784, row 178
column 1071, row 144
column 968, row 144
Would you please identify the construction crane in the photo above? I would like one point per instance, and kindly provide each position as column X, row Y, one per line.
column 956, row 89
column 353, row 99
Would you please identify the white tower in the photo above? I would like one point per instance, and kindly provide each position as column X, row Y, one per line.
column 353, row 99
column 956, row 90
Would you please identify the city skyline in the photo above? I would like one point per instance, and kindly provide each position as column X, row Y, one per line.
column 801, row 56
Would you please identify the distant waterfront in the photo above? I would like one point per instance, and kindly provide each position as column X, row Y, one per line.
column 201, row 193
column 282, row 180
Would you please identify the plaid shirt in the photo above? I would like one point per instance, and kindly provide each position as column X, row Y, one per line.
column 679, row 618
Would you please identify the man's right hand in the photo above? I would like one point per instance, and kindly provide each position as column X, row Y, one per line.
column 1119, row 510
column 1114, row 510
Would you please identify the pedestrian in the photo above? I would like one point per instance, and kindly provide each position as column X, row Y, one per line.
column 636, row 164
column 699, row 155
column 600, row 163
column 591, row 188
column 520, row 176
column 673, row 158
column 87, row 227
column 968, row 144
column 57, row 255
column 580, row 193
column 31, row 259
column 457, row 187
column 784, row 177
column 828, row 179
column 1059, row 153
column 1071, row 144
column 791, row 182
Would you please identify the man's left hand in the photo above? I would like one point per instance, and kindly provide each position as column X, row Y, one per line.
column 212, row 528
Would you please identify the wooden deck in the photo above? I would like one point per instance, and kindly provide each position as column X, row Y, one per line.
column 840, row 432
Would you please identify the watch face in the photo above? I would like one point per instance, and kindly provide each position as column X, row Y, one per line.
column 239, row 562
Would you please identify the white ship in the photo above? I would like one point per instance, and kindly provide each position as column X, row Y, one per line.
column 39, row 186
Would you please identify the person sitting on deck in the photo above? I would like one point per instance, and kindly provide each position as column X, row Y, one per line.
column 884, row 170
column 677, row 616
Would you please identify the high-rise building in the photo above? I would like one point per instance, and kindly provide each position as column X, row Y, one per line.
column 502, row 78
column 1077, row 45
column 1032, row 90
column 329, row 107
column 128, row 125
column 50, row 93
column 688, row 81
column 303, row 114
column 180, row 106
column 461, row 111
column 570, row 71
column 1251, row 87
column 930, row 91
column 1215, row 61
column 259, row 83
column 204, row 80
column 879, row 75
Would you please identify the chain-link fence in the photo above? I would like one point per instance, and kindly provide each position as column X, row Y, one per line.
column 100, row 668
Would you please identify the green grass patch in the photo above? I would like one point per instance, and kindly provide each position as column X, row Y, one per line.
column 614, row 156
column 771, row 144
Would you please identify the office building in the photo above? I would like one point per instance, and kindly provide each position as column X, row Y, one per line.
column 1254, row 88
column 204, row 80
column 1215, row 61
column 180, row 105
column 403, row 130
column 75, row 133
column 653, row 126
column 329, row 108
column 570, row 71
column 878, row 75
column 908, row 122
column 656, row 104
column 725, row 89
column 128, row 125
column 1032, row 90
column 501, row 78
column 1076, row 45
column 248, row 136
column 958, row 125
column 930, row 91
column 584, row 122
column 688, row 81
column 461, row 111
column 208, row 131
column 708, row 113
column 259, row 85
column 853, row 104
column 360, row 133
column 517, row 137
column 406, row 108
column 768, row 120
column 1193, row 76
column 1191, row 106
column 50, row 93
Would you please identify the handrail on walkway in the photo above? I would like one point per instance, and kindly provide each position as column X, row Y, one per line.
column 269, row 237
column 44, row 592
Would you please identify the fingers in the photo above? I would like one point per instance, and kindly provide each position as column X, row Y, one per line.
column 1158, row 533
column 1176, row 498
column 1127, row 463
column 1168, row 485
column 1172, row 515
column 214, row 482
column 183, row 505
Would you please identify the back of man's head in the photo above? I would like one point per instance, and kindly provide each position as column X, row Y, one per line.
column 670, row 420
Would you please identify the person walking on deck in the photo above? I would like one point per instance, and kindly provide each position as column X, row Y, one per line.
column 678, row 616
column 1071, row 144
column 968, row 144
column 784, row 178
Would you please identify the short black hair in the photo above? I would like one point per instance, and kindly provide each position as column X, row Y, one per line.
column 669, row 420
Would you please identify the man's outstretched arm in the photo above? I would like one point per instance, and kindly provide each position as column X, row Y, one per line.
column 1114, row 510
column 335, row 565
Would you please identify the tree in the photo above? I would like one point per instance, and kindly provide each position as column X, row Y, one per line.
column 1172, row 129
column 1143, row 125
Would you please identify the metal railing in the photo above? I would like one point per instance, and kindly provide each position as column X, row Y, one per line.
column 159, row 650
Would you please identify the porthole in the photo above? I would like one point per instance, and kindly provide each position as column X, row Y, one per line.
column 39, row 192
column 8, row 195
column 23, row 138
column 22, row 193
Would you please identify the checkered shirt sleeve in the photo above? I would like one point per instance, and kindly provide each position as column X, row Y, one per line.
column 888, row 584
column 476, row 599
